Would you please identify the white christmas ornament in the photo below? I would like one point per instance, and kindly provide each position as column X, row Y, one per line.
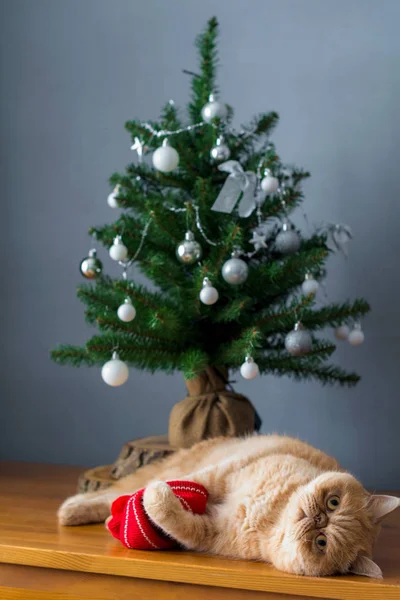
column 213, row 110
column 310, row 285
column 165, row 158
column 126, row 312
column 356, row 336
column 208, row 294
column 249, row 369
column 118, row 250
column 342, row 332
column 115, row 372
column 235, row 271
column 112, row 198
column 269, row 184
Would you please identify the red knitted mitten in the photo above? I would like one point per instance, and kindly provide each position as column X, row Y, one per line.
column 131, row 525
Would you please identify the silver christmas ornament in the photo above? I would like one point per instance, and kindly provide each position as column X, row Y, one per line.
column 356, row 335
column 220, row 152
column 213, row 110
column 235, row 271
column 342, row 332
column 310, row 285
column 208, row 294
column 298, row 341
column 249, row 369
column 288, row 240
column 189, row 251
column 91, row 266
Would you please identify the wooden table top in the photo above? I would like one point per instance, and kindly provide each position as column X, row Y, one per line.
column 29, row 535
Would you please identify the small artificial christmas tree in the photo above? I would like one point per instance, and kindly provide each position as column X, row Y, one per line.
column 208, row 224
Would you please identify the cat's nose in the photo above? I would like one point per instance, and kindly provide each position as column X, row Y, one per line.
column 321, row 520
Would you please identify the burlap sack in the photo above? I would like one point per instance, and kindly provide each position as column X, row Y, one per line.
column 210, row 410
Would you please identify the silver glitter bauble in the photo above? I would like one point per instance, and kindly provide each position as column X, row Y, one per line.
column 235, row 271
column 213, row 110
column 189, row 251
column 288, row 240
column 220, row 152
column 298, row 342
column 310, row 285
column 91, row 267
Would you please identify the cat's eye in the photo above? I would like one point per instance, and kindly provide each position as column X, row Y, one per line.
column 333, row 502
column 321, row 541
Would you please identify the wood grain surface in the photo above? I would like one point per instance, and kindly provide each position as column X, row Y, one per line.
column 30, row 537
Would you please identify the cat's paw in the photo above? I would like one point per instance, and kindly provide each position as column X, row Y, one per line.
column 72, row 510
column 160, row 502
column 82, row 509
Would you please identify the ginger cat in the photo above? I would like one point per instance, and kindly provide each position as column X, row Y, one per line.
column 272, row 498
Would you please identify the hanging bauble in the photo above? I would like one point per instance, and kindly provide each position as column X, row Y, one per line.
column 208, row 294
column 118, row 250
column 115, row 372
column 235, row 271
column 165, row 158
column 342, row 332
column 249, row 369
column 90, row 266
column 356, row 335
column 288, row 240
column 112, row 198
column 269, row 184
column 213, row 110
column 189, row 251
column 220, row 152
column 310, row 285
column 298, row 341
column 126, row 312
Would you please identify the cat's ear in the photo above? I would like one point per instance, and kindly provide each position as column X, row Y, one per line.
column 382, row 505
column 365, row 566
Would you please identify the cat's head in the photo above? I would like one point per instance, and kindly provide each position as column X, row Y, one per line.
column 330, row 526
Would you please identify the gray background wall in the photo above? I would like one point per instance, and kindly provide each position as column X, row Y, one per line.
column 72, row 72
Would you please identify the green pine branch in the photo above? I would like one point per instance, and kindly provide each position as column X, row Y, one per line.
column 295, row 368
column 204, row 84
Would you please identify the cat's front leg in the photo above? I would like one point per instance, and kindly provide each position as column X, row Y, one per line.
column 195, row 532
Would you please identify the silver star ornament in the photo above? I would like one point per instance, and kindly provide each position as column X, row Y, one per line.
column 138, row 145
column 258, row 240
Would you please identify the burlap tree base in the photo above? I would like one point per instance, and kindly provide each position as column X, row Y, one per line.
column 134, row 454
column 211, row 409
